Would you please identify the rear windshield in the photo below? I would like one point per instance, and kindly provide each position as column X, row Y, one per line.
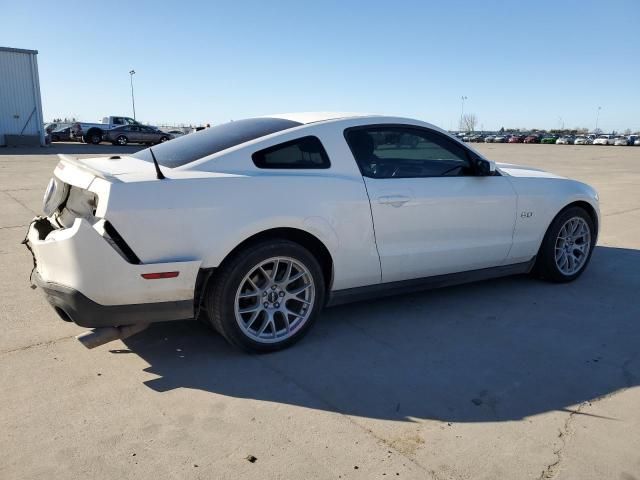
column 194, row 146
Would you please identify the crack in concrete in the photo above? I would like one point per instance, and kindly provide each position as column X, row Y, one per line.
column 38, row 344
column 550, row 470
column 19, row 202
column 565, row 432
column 14, row 226
column 365, row 429
column 621, row 212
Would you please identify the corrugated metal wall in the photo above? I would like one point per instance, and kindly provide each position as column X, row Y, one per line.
column 20, row 104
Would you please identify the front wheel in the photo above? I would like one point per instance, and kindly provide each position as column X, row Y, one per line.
column 122, row 140
column 267, row 297
column 567, row 246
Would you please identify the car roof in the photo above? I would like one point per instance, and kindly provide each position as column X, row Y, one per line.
column 314, row 117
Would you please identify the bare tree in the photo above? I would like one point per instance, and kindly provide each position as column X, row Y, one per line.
column 468, row 122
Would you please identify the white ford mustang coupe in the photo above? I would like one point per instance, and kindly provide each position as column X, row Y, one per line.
column 256, row 225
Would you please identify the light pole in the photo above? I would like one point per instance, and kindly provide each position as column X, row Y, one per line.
column 463, row 98
column 597, row 118
column 133, row 102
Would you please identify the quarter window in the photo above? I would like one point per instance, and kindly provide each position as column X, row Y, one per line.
column 302, row 153
column 406, row 152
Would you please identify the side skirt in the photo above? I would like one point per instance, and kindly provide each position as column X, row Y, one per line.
column 348, row 295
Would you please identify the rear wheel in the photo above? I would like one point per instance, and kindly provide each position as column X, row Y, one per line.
column 267, row 297
column 122, row 140
column 94, row 136
column 567, row 246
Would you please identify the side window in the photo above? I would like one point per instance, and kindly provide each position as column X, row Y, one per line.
column 117, row 121
column 302, row 153
column 406, row 152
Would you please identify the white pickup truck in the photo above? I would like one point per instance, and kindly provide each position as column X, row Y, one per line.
column 94, row 132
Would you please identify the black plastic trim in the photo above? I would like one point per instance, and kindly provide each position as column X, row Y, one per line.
column 122, row 245
column 83, row 311
column 348, row 295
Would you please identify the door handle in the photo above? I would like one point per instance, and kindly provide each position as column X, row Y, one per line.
column 394, row 200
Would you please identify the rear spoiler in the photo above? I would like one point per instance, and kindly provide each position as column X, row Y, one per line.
column 83, row 166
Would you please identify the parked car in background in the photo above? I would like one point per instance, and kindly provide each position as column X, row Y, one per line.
column 582, row 140
column 489, row 138
column 565, row 140
column 549, row 139
column 632, row 139
column 477, row 138
column 501, row 139
column 61, row 135
column 50, row 127
column 532, row 139
column 175, row 133
column 135, row 134
column 95, row 132
column 119, row 247
column 636, row 142
column 604, row 140
column 621, row 141
column 516, row 139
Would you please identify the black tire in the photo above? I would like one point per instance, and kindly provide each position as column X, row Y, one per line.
column 163, row 139
column 545, row 266
column 122, row 140
column 94, row 136
column 221, row 292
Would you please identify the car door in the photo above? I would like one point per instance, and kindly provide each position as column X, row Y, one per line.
column 135, row 135
column 144, row 135
column 432, row 212
column 151, row 135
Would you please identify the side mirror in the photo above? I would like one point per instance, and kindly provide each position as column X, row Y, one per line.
column 485, row 167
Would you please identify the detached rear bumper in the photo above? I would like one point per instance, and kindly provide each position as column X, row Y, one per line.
column 72, row 305
column 90, row 283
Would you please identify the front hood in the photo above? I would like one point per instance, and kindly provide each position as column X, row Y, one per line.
column 520, row 171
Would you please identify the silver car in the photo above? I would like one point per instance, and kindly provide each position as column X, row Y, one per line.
column 136, row 134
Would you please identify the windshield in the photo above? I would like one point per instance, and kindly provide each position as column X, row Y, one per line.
column 194, row 146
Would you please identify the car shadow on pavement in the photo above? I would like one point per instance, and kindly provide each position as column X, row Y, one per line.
column 493, row 351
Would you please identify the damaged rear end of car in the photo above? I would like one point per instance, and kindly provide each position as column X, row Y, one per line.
column 88, row 272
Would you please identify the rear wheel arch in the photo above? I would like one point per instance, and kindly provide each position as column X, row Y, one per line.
column 94, row 132
column 312, row 243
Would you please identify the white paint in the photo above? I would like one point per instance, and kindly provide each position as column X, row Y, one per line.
column 203, row 210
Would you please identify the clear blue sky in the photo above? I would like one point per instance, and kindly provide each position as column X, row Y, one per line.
column 521, row 64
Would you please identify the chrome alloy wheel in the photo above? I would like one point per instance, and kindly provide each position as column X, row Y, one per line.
column 274, row 300
column 572, row 246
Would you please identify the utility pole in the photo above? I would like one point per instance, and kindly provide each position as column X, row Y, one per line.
column 133, row 102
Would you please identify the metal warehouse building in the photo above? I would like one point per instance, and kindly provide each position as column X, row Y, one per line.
column 20, row 104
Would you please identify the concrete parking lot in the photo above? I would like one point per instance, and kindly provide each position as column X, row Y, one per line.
column 511, row 378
